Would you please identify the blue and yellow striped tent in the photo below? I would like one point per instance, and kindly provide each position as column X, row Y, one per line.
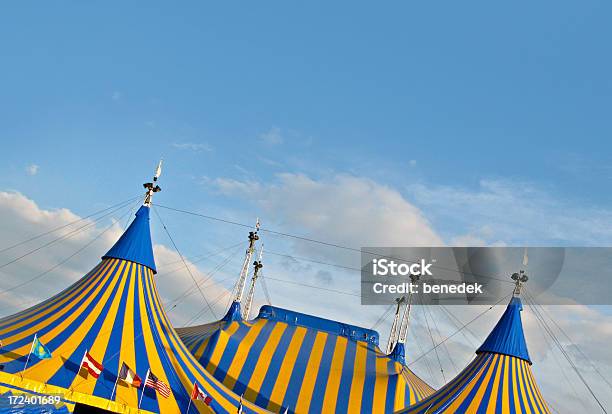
column 498, row 380
column 305, row 364
column 115, row 313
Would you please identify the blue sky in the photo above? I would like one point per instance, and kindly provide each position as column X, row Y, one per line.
column 491, row 120
column 468, row 90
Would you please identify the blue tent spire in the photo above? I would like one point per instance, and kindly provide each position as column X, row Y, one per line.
column 135, row 244
column 507, row 337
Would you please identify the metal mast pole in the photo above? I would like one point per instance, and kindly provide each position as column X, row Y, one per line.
column 253, row 237
column 403, row 333
column 257, row 265
column 394, row 326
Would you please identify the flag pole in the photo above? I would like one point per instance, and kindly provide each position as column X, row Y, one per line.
column 190, row 398
column 143, row 388
column 114, row 387
column 29, row 353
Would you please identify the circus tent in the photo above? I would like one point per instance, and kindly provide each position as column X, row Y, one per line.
column 288, row 360
column 114, row 314
column 498, row 380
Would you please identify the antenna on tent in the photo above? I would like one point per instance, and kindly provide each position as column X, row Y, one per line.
column 253, row 237
column 403, row 332
column 257, row 265
column 394, row 327
column 520, row 277
column 153, row 187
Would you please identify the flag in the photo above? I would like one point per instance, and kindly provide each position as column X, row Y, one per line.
column 40, row 350
column 197, row 394
column 129, row 376
column 91, row 365
column 157, row 384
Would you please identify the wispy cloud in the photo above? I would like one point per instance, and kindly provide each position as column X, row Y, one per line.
column 32, row 169
column 193, row 146
column 513, row 212
column 272, row 137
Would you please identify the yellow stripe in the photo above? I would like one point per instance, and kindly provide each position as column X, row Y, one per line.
column 124, row 392
column 400, row 394
column 198, row 353
column 222, row 341
column 335, row 373
column 284, row 374
column 310, row 375
column 100, row 343
column 465, row 391
column 515, row 387
column 521, row 378
column 358, row 380
column 541, row 402
column 477, row 400
column 263, row 362
column 493, row 398
column 380, row 384
column 167, row 405
column 48, row 367
column 241, row 354
column 72, row 300
column 61, row 297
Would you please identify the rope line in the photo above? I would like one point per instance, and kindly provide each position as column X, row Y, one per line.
column 185, row 263
column 324, row 243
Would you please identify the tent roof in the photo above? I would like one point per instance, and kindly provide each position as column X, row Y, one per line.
column 499, row 379
column 115, row 313
column 286, row 359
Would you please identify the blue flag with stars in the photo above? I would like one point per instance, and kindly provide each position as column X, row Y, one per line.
column 40, row 350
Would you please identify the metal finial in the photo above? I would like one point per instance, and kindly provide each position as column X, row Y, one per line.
column 519, row 278
column 152, row 187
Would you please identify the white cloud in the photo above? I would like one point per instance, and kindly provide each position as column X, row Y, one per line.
column 343, row 209
column 193, row 146
column 508, row 212
column 272, row 136
column 21, row 218
column 32, row 169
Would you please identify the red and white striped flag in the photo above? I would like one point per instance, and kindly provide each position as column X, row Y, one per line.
column 153, row 382
column 91, row 365
column 198, row 394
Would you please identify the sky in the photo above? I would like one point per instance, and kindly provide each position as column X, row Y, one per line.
column 442, row 123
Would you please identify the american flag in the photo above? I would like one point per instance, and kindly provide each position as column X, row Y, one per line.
column 157, row 384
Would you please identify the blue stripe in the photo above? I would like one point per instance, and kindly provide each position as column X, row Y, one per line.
column 392, row 387
column 251, row 360
column 142, row 357
column 347, row 377
column 299, row 368
column 273, row 369
column 367, row 400
column 316, row 405
column 112, row 353
column 67, row 373
column 38, row 319
column 18, row 364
